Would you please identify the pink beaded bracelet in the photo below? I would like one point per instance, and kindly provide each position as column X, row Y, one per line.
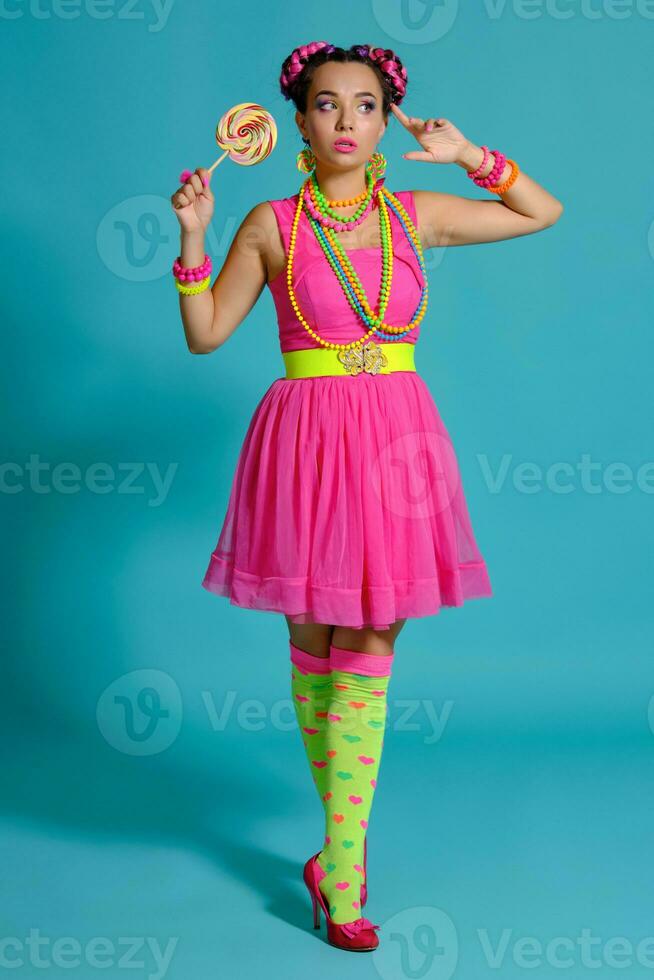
column 496, row 172
column 475, row 173
column 195, row 274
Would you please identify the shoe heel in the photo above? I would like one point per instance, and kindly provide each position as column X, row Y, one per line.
column 358, row 935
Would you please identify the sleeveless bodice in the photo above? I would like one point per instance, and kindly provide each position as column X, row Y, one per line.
column 319, row 293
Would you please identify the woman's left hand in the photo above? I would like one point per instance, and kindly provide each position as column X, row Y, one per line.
column 440, row 140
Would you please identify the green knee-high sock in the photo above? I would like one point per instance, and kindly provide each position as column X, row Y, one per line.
column 311, row 689
column 354, row 736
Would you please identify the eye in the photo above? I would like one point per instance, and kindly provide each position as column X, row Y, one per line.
column 369, row 105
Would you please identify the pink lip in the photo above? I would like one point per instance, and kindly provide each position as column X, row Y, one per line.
column 345, row 147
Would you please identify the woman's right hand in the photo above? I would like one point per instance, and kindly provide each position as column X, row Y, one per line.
column 193, row 202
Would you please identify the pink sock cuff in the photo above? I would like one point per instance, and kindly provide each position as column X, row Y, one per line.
column 360, row 663
column 307, row 663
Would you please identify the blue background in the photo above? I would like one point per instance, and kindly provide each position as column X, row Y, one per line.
column 530, row 809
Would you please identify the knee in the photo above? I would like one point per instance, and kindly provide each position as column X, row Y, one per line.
column 376, row 642
column 314, row 638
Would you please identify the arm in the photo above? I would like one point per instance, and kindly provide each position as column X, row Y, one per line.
column 448, row 219
column 211, row 317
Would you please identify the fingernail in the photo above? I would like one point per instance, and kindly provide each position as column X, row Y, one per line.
column 205, row 181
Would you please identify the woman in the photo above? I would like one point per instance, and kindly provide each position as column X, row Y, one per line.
column 347, row 512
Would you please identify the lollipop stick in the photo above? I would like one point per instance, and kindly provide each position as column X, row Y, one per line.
column 213, row 165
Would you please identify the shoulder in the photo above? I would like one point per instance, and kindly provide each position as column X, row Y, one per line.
column 407, row 199
column 428, row 203
column 282, row 203
column 263, row 218
column 438, row 216
column 434, row 213
column 410, row 201
column 261, row 214
column 268, row 213
column 269, row 222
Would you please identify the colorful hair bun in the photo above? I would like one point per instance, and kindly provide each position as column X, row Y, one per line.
column 384, row 59
column 391, row 66
column 296, row 62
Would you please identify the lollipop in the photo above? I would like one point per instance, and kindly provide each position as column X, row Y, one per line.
column 247, row 133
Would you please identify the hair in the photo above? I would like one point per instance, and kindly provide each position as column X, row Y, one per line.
column 299, row 67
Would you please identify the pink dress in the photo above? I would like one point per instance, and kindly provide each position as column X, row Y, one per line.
column 346, row 505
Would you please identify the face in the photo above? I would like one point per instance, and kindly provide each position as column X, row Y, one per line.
column 344, row 100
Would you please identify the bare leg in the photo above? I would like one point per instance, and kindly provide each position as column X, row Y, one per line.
column 313, row 638
column 376, row 642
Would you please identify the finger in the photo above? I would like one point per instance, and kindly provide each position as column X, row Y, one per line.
column 417, row 155
column 196, row 184
column 180, row 200
column 189, row 191
column 412, row 123
column 404, row 119
column 204, row 176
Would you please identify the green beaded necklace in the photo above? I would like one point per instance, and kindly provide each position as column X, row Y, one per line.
column 322, row 204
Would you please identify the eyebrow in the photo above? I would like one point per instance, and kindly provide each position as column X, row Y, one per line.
column 325, row 91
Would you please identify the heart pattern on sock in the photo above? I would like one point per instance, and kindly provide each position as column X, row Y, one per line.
column 343, row 721
column 358, row 779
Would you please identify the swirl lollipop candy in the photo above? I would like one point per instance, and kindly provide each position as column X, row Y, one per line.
column 247, row 133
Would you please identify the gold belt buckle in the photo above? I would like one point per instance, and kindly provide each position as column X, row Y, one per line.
column 370, row 358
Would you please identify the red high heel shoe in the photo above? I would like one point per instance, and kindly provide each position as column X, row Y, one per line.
column 357, row 936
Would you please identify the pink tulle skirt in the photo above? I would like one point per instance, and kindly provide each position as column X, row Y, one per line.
column 346, row 506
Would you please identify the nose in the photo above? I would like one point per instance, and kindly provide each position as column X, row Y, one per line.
column 345, row 122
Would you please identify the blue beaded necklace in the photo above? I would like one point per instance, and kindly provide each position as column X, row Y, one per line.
column 338, row 266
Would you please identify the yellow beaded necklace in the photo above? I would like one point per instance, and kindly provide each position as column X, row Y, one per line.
column 352, row 277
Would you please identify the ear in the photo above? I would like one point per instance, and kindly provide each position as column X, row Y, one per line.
column 299, row 119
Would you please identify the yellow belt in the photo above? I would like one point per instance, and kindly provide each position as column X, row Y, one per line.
column 372, row 358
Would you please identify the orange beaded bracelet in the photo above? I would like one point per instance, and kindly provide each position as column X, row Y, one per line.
column 503, row 188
